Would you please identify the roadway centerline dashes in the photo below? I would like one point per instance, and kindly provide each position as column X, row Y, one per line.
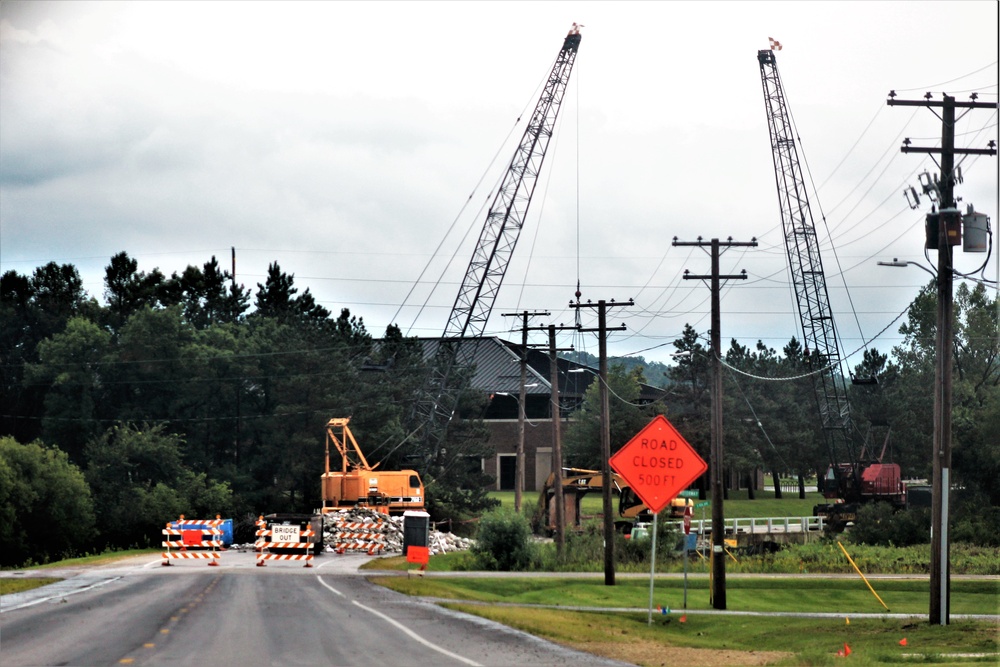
column 172, row 622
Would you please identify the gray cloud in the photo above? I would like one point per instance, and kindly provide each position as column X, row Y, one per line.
column 343, row 139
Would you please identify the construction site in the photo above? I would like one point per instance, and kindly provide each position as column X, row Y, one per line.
column 444, row 325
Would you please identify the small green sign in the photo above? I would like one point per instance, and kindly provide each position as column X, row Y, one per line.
column 704, row 503
column 688, row 493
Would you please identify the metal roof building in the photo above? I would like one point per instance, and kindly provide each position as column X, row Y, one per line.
column 497, row 373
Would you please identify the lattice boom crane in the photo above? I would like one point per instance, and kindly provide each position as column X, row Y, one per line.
column 847, row 481
column 492, row 254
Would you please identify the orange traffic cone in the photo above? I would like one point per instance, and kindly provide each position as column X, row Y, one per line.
column 683, row 619
column 902, row 642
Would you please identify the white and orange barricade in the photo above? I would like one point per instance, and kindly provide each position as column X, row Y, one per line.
column 366, row 536
column 193, row 538
column 294, row 541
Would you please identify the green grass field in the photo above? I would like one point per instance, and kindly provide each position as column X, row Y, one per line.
column 698, row 639
column 96, row 559
column 778, row 594
column 9, row 585
column 758, row 640
column 737, row 506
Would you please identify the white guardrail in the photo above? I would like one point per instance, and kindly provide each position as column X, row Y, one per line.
column 762, row 525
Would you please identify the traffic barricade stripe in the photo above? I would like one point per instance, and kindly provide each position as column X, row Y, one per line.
column 270, row 556
column 196, row 541
column 192, row 554
column 263, row 546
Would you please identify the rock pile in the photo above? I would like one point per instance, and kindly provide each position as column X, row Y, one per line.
column 362, row 529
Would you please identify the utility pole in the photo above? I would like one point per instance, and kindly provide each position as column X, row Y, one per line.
column 609, row 521
column 519, row 459
column 239, row 382
column 948, row 234
column 556, row 463
column 718, row 584
column 557, row 490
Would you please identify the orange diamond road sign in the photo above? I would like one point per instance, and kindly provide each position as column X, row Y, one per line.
column 658, row 463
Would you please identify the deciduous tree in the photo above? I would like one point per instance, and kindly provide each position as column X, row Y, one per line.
column 46, row 512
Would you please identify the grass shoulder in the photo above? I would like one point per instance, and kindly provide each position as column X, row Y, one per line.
column 693, row 639
column 842, row 595
column 11, row 584
column 817, row 557
column 583, row 613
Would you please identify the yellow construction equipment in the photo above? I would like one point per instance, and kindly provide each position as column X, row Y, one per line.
column 578, row 482
column 358, row 484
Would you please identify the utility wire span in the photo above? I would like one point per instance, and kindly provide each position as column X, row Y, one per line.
column 863, row 346
column 945, row 83
column 759, row 424
column 774, row 379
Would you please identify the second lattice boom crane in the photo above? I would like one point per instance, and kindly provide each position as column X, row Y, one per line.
column 855, row 480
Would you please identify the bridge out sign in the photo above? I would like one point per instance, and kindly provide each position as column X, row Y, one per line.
column 658, row 463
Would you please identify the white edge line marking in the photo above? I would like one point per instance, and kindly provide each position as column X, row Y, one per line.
column 61, row 595
column 329, row 587
column 405, row 629
column 417, row 637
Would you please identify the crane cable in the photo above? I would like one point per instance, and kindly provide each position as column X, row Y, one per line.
column 458, row 216
column 578, row 338
column 836, row 257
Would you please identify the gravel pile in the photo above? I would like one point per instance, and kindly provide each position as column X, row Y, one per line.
column 361, row 530
column 366, row 530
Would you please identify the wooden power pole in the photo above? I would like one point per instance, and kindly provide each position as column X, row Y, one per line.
column 608, row 507
column 519, row 458
column 718, row 585
column 948, row 232
column 557, row 460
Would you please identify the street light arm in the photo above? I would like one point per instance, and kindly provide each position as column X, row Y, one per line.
column 896, row 263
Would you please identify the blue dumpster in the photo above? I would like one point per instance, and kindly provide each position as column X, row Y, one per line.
column 226, row 527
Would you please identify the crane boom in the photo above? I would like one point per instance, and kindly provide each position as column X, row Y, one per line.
column 854, row 481
column 507, row 214
column 492, row 254
column 806, row 264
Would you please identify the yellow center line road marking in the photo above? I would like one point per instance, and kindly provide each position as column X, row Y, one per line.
column 148, row 645
column 126, row 661
column 165, row 631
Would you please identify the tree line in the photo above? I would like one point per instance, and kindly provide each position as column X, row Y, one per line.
column 192, row 394
column 189, row 394
column 771, row 419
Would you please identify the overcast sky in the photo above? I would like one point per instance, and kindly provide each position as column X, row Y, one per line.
column 343, row 139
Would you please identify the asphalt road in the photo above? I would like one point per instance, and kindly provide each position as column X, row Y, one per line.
column 236, row 614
